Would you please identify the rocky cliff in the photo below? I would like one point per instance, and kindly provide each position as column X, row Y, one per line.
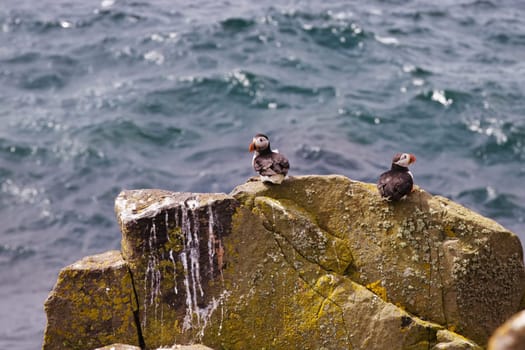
column 317, row 262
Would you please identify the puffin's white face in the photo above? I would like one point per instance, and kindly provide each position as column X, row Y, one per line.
column 259, row 143
column 404, row 159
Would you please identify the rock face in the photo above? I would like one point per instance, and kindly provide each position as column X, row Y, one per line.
column 91, row 305
column 427, row 255
column 173, row 243
column 317, row 262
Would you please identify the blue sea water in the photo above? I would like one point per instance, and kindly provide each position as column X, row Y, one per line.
column 100, row 96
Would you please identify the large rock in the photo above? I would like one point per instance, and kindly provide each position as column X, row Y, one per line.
column 91, row 305
column 317, row 262
column 427, row 255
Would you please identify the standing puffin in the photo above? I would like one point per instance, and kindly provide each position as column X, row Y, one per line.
column 398, row 181
column 271, row 165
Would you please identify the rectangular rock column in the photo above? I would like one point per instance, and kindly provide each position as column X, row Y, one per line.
column 91, row 305
column 173, row 244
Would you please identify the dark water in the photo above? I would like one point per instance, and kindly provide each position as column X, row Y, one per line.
column 98, row 96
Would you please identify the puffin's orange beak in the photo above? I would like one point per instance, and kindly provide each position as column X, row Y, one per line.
column 252, row 147
column 412, row 159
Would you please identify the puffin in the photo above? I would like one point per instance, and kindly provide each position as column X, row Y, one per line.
column 270, row 164
column 397, row 182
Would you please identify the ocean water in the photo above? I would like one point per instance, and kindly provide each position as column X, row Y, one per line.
column 100, row 96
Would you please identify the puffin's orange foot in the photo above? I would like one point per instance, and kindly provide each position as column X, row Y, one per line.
column 253, row 179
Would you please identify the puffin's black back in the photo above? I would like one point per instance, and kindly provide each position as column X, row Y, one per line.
column 272, row 163
column 395, row 183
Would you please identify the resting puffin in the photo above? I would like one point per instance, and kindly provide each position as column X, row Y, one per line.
column 271, row 165
column 398, row 181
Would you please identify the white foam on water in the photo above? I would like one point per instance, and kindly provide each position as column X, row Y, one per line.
column 440, row 97
column 386, row 40
column 107, row 3
column 155, row 57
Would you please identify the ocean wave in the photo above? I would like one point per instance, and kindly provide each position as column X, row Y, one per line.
column 46, row 22
column 237, row 24
column 332, row 161
column 195, row 94
column 336, row 36
column 333, row 30
column 502, row 141
column 517, row 39
column 43, row 80
column 416, row 71
column 493, row 202
column 21, row 194
column 445, row 97
column 23, row 191
column 33, row 71
column 326, row 29
column 10, row 254
column 240, row 87
column 479, row 5
column 16, row 150
column 22, row 58
column 122, row 134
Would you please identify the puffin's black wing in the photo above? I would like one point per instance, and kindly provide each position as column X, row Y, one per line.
column 271, row 164
column 280, row 163
column 394, row 185
column 261, row 163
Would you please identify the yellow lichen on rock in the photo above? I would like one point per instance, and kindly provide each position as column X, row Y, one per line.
column 91, row 305
column 377, row 289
